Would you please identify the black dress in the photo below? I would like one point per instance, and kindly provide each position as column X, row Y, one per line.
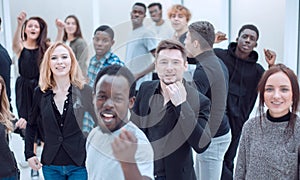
column 27, row 81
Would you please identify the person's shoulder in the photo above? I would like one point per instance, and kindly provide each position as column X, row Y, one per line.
column 252, row 123
column 149, row 84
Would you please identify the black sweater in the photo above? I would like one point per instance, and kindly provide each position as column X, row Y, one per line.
column 244, row 75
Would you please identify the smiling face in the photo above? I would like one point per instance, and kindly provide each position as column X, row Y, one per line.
column 102, row 43
column 170, row 66
column 278, row 94
column 178, row 21
column 247, row 41
column 111, row 102
column 71, row 25
column 32, row 29
column 60, row 62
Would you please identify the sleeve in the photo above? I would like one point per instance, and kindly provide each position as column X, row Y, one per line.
column 32, row 127
column 82, row 55
column 242, row 158
column 150, row 41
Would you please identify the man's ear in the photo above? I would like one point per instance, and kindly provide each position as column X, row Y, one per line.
column 131, row 102
column 255, row 44
column 112, row 42
column 237, row 39
column 195, row 43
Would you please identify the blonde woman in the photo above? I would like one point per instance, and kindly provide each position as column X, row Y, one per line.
column 59, row 105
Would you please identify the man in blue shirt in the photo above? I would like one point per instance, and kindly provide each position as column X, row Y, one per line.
column 103, row 40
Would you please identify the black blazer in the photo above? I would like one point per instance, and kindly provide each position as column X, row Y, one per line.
column 191, row 126
column 72, row 139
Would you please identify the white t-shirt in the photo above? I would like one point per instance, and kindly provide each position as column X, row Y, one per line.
column 138, row 56
column 101, row 163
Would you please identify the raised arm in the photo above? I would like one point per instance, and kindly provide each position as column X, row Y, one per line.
column 270, row 57
column 124, row 149
column 219, row 37
column 17, row 39
column 60, row 25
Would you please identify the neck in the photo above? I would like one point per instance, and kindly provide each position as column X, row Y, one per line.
column 240, row 54
column 136, row 26
column 70, row 37
column 31, row 44
column 181, row 31
column 160, row 22
column 62, row 83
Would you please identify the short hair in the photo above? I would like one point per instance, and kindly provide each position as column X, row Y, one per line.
column 177, row 8
column 204, row 32
column 140, row 4
column 155, row 4
column 251, row 27
column 46, row 80
column 107, row 29
column 295, row 90
column 77, row 33
column 117, row 70
column 171, row 44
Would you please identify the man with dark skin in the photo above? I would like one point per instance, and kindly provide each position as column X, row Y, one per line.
column 244, row 75
column 161, row 27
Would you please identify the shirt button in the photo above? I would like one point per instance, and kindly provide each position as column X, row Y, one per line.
column 60, row 139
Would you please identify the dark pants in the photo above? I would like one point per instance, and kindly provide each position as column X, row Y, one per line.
column 228, row 163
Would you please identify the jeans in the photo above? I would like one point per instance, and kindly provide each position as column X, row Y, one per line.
column 70, row 172
column 208, row 165
column 10, row 178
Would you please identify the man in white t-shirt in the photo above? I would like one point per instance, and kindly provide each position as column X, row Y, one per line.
column 162, row 28
column 140, row 47
column 116, row 148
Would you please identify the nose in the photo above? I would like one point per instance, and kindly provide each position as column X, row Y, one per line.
column 108, row 103
column 277, row 94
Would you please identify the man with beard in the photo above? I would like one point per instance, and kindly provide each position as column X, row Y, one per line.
column 173, row 115
column 117, row 149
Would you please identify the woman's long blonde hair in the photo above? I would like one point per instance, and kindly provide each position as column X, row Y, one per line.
column 47, row 81
column 5, row 114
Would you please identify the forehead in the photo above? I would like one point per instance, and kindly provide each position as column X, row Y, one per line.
column 138, row 8
column 113, row 84
column 154, row 7
column 249, row 32
column 33, row 21
column 102, row 34
column 278, row 78
column 170, row 54
column 70, row 19
column 60, row 49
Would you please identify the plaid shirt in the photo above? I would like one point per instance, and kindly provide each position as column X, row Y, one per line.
column 94, row 67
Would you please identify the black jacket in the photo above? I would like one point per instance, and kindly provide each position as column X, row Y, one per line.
column 7, row 160
column 5, row 63
column 244, row 75
column 71, row 138
column 184, row 133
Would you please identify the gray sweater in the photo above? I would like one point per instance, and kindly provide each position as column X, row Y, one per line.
column 267, row 152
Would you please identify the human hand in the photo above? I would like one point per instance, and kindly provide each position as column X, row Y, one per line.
column 124, row 147
column 177, row 93
column 21, row 18
column 59, row 24
column 21, row 123
column 219, row 37
column 270, row 57
column 34, row 163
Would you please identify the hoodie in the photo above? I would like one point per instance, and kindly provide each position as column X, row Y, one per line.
column 244, row 75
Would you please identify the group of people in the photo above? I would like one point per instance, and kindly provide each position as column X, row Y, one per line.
column 115, row 119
